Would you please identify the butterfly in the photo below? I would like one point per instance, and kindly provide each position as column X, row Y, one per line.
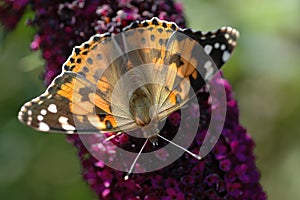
column 130, row 80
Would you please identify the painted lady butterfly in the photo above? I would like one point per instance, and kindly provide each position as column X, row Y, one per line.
column 121, row 82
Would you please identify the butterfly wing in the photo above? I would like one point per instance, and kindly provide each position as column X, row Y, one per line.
column 91, row 94
column 194, row 58
column 184, row 60
column 81, row 94
column 68, row 105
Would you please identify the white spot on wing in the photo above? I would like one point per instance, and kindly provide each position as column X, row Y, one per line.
column 28, row 104
column 225, row 56
column 43, row 112
column 227, row 36
column 63, row 120
column 229, row 29
column 65, row 125
column 207, row 49
column 52, row 108
column 68, row 127
column 70, row 132
column 43, row 126
column 23, row 109
column 217, row 45
column 209, row 70
column 40, row 117
column 20, row 116
column 29, row 119
column 29, row 112
column 223, row 47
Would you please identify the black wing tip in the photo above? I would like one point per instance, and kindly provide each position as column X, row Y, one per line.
column 230, row 34
column 25, row 114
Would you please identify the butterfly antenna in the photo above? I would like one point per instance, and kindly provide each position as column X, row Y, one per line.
column 180, row 147
column 136, row 158
column 112, row 136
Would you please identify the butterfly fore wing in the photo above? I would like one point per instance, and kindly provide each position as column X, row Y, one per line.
column 67, row 106
column 193, row 59
column 102, row 61
column 199, row 56
column 218, row 44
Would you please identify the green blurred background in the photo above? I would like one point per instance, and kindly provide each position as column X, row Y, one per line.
column 264, row 73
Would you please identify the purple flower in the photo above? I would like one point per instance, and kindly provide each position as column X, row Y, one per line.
column 227, row 172
column 11, row 12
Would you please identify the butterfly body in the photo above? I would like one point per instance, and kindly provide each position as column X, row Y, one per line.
column 118, row 83
column 140, row 104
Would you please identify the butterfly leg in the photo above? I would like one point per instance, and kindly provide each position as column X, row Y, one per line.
column 134, row 162
column 113, row 136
